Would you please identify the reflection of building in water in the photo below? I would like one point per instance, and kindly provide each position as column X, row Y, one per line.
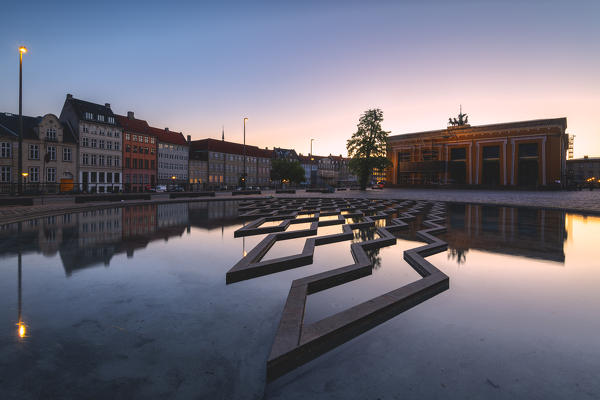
column 92, row 238
column 38, row 235
column 139, row 220
column 524, row 232
column 96, row 241
column 173, row 214
column 213, row 214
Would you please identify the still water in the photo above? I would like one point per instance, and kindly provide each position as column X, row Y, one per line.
column 132, row 303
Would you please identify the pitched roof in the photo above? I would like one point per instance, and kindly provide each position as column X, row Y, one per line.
column 222, row 146
column 81, row 107
column 133, row 124
column 167, row 136
column 534, row 123
column 9, row 126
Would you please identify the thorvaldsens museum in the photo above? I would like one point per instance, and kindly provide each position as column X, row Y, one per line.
column 526, row 153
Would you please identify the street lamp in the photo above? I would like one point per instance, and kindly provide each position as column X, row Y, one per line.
column 311, row 140
column 22, row 50
column 244, row 179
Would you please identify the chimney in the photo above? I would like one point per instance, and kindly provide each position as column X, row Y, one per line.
column 69, row 96
column 130, row 115
column 167, row 130
column 107, row 105
column 189, row 138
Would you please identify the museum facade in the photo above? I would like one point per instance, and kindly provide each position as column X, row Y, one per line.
column 526, row 153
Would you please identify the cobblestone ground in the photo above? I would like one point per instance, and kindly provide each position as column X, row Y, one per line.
column 585, row 201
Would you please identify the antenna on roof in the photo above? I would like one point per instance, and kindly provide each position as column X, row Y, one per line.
column 223, row 133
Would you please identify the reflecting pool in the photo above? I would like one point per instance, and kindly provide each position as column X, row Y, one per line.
column 131, row 302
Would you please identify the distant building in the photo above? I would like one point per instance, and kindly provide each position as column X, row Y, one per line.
column 49, row 153
column 310, row 164
column 100, row 142
column 583, row 170
column 218, row 163
column 173, row 153
column 139, row 154
column 527, row 153
column 288, row 154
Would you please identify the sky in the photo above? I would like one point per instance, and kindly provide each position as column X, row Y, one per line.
column 302, row 70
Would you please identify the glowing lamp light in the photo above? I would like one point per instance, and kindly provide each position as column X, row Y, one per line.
column 25, row 174
column 22, row 330
column 173, row 178
column 23, row 49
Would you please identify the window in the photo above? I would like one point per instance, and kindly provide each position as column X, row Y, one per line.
column 94, row 143
column 34, row 174
column 52, row 153
column 127, row 148
column 111, row 120
column 117, row 134
column 5, row 150
column 109, row 145
column 109, row 133
column 34, row 152
column 109, row 161
column 66, row 154
column 152, row 140
column 135, row 138
column 85, row 159
column 117, row 145
column 117, row 161
column 109, row 177
column 101, row 160
column 89, row 115
column 145, row 139
column 127, row 136
column 50, row 174
column 93, row 177
column 116, row 177
column 101, row 144
column 4, row 174
column 100, row 117
column 135, row 165
column 85, row 129
column 94, row 159
column 127, row 162
column 85, row 142
column 101, row 177
column 50, row 134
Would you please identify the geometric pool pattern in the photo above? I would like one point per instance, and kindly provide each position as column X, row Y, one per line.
column 297, row 343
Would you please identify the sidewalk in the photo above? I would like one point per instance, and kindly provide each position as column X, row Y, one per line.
column 581, row 201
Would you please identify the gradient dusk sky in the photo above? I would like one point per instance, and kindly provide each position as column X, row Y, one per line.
column 308, row 69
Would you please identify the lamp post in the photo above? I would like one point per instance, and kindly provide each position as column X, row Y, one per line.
column 244, row 177
column 22, row 50
column 311, row 140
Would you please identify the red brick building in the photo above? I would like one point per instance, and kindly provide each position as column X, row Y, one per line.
column 139, row 154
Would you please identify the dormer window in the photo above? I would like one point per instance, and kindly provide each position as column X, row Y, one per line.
column 50, row 134
column 89, row 115
column 100, row 118
column 111, row 120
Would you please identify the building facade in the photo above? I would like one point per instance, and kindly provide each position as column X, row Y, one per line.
column 527, row 153
column 173, row 153
column 220, row 164
column 49, row 154
column 584, row 170
column 139, row 154
column 100, row 144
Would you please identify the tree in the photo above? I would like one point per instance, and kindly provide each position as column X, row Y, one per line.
column 367, row 146
column 287, row 170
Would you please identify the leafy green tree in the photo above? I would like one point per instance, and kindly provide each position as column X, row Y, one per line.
column 287, row 170
column 367, row 146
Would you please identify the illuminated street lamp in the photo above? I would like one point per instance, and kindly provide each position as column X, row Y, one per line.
column 22, row 50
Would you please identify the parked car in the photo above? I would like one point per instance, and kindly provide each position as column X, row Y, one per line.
column 160, row 188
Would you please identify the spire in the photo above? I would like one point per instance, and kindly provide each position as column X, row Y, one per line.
column 223, row 133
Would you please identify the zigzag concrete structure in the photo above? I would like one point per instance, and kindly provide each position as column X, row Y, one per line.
column 296, row 343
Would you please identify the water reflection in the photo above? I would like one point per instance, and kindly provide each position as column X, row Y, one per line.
column 527, row 232
column 93, row 238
